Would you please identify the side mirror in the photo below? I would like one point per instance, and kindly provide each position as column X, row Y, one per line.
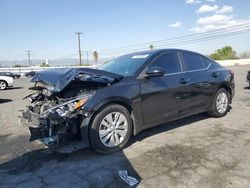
column 155, row 72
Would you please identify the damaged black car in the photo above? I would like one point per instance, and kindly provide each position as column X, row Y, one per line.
column 104, row 107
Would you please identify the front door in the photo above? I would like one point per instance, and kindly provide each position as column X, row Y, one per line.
column 167, row 97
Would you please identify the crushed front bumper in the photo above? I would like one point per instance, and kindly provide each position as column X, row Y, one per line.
column 54, row 130
column 39, row 128
column 35, row 131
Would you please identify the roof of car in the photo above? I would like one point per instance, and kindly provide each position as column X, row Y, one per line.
column 153, row 51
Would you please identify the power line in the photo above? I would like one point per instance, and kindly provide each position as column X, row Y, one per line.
column 179, row 37
column 185, row 40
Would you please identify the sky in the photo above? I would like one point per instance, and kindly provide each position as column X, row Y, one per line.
column 47, row 27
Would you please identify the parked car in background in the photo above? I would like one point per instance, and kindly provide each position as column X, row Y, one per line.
column 13, row 75
column 30, row 74
column 126, row 95
column 248, row 78
column 5, row 81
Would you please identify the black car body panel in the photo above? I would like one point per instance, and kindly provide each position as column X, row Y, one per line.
column 248, row 77
column 150, row 100
column 30, row 74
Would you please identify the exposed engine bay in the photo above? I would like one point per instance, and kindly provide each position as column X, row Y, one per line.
column 57, row 105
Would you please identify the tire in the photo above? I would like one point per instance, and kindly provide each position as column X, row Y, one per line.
column 106, row 138
column 220, row 108
column 3, row 85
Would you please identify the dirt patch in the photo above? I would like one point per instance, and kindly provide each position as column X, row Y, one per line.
column 173, row 161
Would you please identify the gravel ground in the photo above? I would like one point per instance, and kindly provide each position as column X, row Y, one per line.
column 198, row 151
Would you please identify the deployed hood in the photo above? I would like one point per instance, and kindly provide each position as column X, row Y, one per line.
column 61, row 77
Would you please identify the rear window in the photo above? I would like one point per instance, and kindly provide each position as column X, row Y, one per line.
column 192, row 61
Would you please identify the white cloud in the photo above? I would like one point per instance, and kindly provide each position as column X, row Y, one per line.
column 193, row 1
column 217, row 21
column 211, row 0
column 175, row 25
column 225, row 9
column 207, row 8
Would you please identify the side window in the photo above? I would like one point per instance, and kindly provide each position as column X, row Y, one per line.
column 192, row 61
column 205, row 62
column 169, row 62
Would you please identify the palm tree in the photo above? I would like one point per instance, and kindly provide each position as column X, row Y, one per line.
column 95, row 54
column 151, row 46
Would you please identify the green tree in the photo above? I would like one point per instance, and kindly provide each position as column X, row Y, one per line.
column 44, row 65
column 17, row 66
column 215, row 56
column 224, row 53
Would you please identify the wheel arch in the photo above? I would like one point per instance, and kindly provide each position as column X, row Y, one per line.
column 85, row 125
column 229, row 90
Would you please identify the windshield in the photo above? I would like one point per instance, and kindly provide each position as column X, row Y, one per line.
column 125, row 65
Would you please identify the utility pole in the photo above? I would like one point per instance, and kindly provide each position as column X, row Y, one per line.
column 87, row 57
column 29, row 61
column 79, row 47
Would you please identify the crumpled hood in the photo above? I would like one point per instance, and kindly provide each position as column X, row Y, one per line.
column 61, row 77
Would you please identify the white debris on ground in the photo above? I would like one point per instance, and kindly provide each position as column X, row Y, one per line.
column 128, row 179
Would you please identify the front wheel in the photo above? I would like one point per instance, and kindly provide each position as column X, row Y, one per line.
column 3, row 85
column 111, row 129
column 221, row 104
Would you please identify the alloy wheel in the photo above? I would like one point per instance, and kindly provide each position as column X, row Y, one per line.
column 2, row 85
column 222, row 102
column 113, row 129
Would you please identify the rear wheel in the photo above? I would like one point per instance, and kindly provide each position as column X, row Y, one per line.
column 3, row 85
column 110, row 129
column 221, row 104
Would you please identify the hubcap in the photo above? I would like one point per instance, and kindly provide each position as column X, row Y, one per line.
column 2, row 85
column 222, row 102
column 113, row 129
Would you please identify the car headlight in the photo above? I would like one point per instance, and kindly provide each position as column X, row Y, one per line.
column 69, row 106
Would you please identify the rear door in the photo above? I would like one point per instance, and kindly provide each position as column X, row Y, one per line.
column 164, row 98
column 200, row 86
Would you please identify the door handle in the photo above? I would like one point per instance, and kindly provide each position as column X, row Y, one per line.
column 215, row 74
column 184, row 80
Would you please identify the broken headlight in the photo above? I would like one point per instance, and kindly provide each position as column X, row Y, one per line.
column 70, row 106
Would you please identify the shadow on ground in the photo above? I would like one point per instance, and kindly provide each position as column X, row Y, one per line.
column 5, row 100
column 168, row 126
column 12, row 88
column 82, row 168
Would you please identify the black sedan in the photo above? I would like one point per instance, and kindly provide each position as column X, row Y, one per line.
column 126, row 95
column 248, row 78
column 30, row 74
